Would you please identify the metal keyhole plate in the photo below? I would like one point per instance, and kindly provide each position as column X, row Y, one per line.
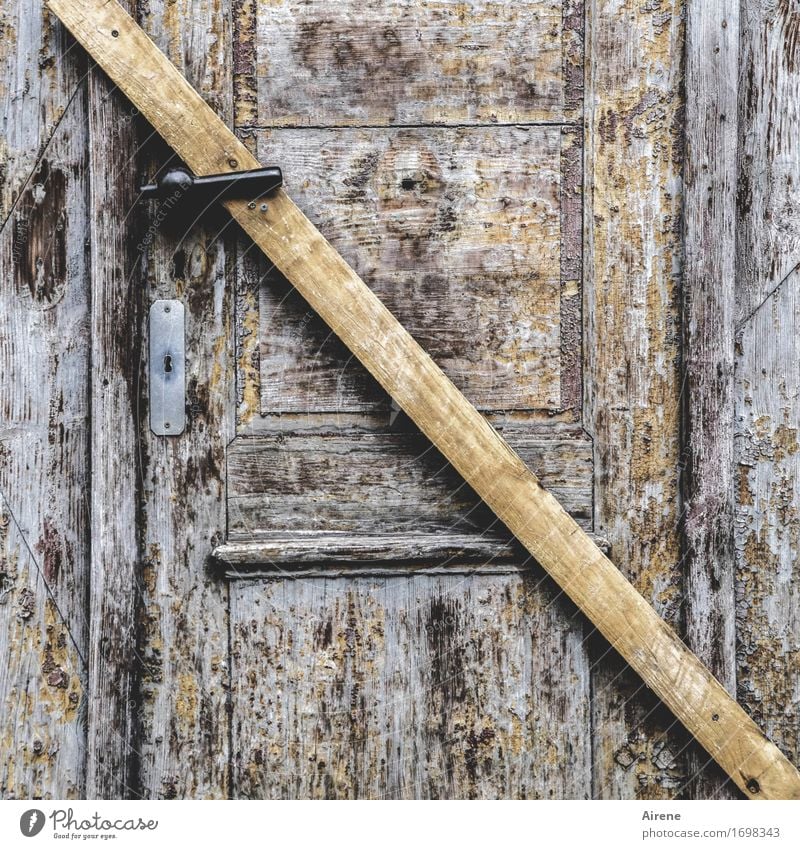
column 167, row 368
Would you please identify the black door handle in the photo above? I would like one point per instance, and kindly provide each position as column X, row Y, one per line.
column 181, row 186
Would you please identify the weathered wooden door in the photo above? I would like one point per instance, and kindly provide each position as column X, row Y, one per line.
column 297, row 597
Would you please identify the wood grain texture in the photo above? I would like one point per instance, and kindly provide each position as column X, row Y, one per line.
column 768, row 522
column 374, row 484
column 633, row 256
column 115, row 485
column 401, row 62
column 480, row 209
column 769, row 149
column 420, row 388
column 456, row 230
column 408, row 687
column 184, row 617
column 767, row 416
column 708, row 312
column 44, row 458
column 329, row 554
column 251, row 270
column 293, row 554
column 37, row 83
column 184, row 739
column 459, row 230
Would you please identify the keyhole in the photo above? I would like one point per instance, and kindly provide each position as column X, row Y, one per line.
column 167, row 364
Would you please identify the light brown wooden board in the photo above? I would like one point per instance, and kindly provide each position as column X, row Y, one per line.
column 421, row 389
column 44, row 458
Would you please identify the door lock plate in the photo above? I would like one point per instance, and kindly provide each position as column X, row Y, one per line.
column 167, row 368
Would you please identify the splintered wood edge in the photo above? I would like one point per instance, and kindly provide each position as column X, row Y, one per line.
column 409, row 375
column 327, row 554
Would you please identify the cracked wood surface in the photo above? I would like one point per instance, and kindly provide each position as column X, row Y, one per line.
column 183, row 620
column 708, row 313
column 44, row 459
column 38, row 81
column 768, row 242
column 408, row 687
column 114, row 582
column 471, row 234
column 633, row 256
column 373, row 483
column 767, row 477
column 421, row 389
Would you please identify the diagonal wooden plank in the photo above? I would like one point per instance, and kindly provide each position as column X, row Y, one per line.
column 392, row 356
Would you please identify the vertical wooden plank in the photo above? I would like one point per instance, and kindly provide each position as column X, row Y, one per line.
column 184, row 622
column 767, row 390
column 633, row 259
column 408, row 687
column 769, row 115
column 768, row 519
column 252, row 267
column 709, row 303
column 44, row 361
column 116, row 332
column 571, row 306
